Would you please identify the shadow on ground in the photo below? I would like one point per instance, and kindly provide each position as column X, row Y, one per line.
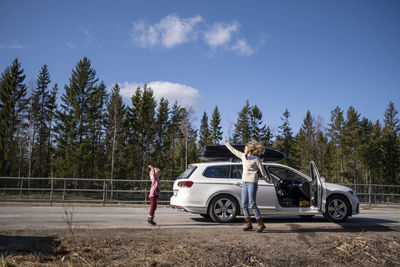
column 315, row 224
column 21, row 245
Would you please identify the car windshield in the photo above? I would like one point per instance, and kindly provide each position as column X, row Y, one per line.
column 186, row 174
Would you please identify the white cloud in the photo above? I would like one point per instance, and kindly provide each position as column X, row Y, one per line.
column 169, row 32
column 88, row 35
column 185, row 95
column 220, row 33
column 242, row 48
column 14, row 45
column 70, row 45
column 172, row 31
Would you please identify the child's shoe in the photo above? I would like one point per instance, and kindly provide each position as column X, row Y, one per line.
column 150, row 221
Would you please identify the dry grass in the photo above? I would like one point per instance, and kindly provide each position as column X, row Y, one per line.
column 202, row 247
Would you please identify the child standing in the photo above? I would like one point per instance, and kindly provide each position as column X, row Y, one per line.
column 155, row 191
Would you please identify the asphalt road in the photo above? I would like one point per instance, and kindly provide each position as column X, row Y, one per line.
column 40, row 218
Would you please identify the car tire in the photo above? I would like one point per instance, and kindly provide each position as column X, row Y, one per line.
column 337, row 209
column 223, row 209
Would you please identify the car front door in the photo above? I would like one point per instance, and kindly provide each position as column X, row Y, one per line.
column 318, row 195
column 266, row 196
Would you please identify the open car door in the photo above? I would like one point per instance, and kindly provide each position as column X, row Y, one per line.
column 318, row 195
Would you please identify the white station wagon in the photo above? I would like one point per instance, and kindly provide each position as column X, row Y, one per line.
column 213, row 190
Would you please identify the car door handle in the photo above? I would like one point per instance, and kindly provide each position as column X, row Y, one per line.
column 238, row 184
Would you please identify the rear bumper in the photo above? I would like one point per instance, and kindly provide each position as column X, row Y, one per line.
column 185, row 203
column 197, row 210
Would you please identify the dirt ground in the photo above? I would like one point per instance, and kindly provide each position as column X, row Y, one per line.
column 199, row 247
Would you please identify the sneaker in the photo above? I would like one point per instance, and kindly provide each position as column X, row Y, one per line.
column 150, row 221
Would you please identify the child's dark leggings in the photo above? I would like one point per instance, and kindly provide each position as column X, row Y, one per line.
column 153, row 205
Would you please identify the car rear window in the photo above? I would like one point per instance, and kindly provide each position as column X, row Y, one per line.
column 217, row 172
column 186, row 174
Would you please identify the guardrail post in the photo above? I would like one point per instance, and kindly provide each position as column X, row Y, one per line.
column 20, row 188
column 51, row 192
column 104, row 193
column 65, row 185
column 369, row 195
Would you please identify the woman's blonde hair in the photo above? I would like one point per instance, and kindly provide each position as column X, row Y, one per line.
column 255, row 148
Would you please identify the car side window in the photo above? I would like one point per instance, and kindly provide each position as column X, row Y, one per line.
column 283, row 173
column 217, row 172
column 236, row 171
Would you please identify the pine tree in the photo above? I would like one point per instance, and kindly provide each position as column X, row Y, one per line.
column 267, row 141
column 323, row 155
column 41, row 122
column 141, row 131
column 350, row 143
column 186, row 145
column 215, row 128
column 13, row 113
column 74, row 122
column 391, row 155
column 174, row 134
column 115, row 134
column 364, row 149
column 335, row 135
column 98, row 99
column 257, row 129
column 32, row 133
column 308, row 146
column 52, row 111
column 285, row 140
column 162, row 144
column 242, row 132
column 204, row 138
column 376, row 154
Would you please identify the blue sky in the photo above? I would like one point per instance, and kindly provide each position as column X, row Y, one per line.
column 300, row 55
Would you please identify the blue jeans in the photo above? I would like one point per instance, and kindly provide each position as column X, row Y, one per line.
column 249, row 193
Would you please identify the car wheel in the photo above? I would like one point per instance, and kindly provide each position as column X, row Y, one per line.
column 223, row 209
column 337, row 209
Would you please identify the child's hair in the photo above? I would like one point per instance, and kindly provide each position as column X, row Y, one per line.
column 255, row 148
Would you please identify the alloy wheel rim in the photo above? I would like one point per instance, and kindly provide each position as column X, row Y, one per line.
column 337, row 209
column 224, row 209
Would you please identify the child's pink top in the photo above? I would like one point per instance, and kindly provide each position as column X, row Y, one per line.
column 155, row 189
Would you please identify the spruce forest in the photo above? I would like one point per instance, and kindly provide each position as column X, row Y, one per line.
column 88, row 132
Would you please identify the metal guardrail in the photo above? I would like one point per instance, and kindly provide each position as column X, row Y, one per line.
column 106, row 191
column 103, row 191
column 376, row 193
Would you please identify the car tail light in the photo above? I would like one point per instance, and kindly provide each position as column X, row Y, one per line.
column 185, row 184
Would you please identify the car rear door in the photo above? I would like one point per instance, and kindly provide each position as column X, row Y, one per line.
column 318, row 195
column 216, row 180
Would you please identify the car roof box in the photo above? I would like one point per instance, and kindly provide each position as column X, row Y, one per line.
column 222, row 153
